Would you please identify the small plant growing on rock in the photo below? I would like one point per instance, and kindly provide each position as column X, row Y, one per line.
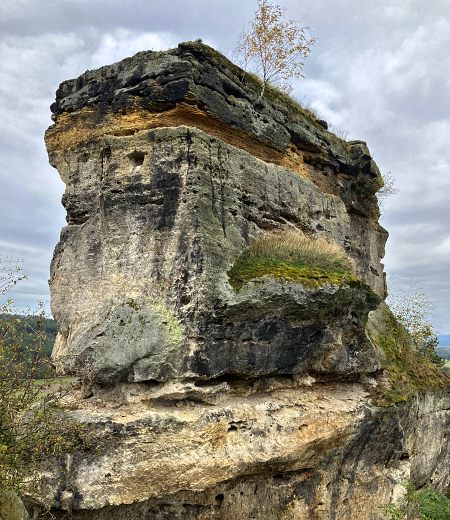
column 409, row 373
column 412, row 309
column 290, row 255
column 389, row 188
column 423, row 504
column 275, row 48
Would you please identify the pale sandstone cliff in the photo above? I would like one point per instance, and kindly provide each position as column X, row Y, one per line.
column 224, row 403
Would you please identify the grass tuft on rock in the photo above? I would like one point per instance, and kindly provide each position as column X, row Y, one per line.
column 408, row 372
column 294, row 257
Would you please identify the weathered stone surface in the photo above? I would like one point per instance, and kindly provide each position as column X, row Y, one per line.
column 139, row 280
column 196, row 86
column 273, row 448
column 216, row 403
column 197, row 75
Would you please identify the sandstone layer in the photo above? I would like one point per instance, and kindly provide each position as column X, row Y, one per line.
column 268, row 449
column 157, row 217
column 275, row 399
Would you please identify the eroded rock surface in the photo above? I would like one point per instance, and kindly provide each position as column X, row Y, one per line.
column 257, row 402
column 272, row 448
column 144, row 260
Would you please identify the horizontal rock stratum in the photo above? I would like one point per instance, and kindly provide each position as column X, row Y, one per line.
column 227, row 389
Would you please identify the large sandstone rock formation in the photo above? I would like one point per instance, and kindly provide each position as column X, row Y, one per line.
column 224, row 402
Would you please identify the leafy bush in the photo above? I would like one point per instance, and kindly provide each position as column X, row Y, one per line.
column 425, row 504
column 33, row 423
column 433, row 505
column 289, row 255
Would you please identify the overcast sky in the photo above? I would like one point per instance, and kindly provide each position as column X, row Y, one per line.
column 380, row 72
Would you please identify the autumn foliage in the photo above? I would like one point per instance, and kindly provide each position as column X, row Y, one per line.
column 273, row 47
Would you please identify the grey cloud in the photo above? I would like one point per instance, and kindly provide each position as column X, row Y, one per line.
column 379, row 71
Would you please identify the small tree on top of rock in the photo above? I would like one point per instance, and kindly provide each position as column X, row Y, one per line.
column 274, row 48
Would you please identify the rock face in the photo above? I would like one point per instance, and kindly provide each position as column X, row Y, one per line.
column 158, row 212
column 270, row 449
column 152, row 251
column 220, row 402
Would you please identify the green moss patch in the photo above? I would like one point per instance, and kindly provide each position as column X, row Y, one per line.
column 409, row 372
column 245, row 270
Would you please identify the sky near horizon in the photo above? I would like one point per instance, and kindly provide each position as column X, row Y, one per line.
column 380, row 72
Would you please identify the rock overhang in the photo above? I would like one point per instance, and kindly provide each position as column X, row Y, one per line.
column 195, row 85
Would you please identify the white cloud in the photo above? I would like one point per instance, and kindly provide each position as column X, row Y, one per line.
column 123, row 43
column 31, row 68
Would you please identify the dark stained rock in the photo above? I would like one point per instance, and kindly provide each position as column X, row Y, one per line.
column 139, row 282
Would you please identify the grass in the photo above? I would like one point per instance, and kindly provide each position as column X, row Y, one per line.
column 293, row 257
column 274, row 93
column 409, row 372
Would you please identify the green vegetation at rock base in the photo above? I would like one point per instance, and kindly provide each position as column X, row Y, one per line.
column 424, row 504
column 409, row 372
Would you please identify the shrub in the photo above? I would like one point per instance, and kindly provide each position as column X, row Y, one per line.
column 409, row 372
column 34, row 426
column 425, row 504
column 413, row 310
column 433, row 505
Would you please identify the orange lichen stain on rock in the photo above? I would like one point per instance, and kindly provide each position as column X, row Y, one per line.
column 73, row 129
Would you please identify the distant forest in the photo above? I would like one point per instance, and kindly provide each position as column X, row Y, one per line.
column 28, row 325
